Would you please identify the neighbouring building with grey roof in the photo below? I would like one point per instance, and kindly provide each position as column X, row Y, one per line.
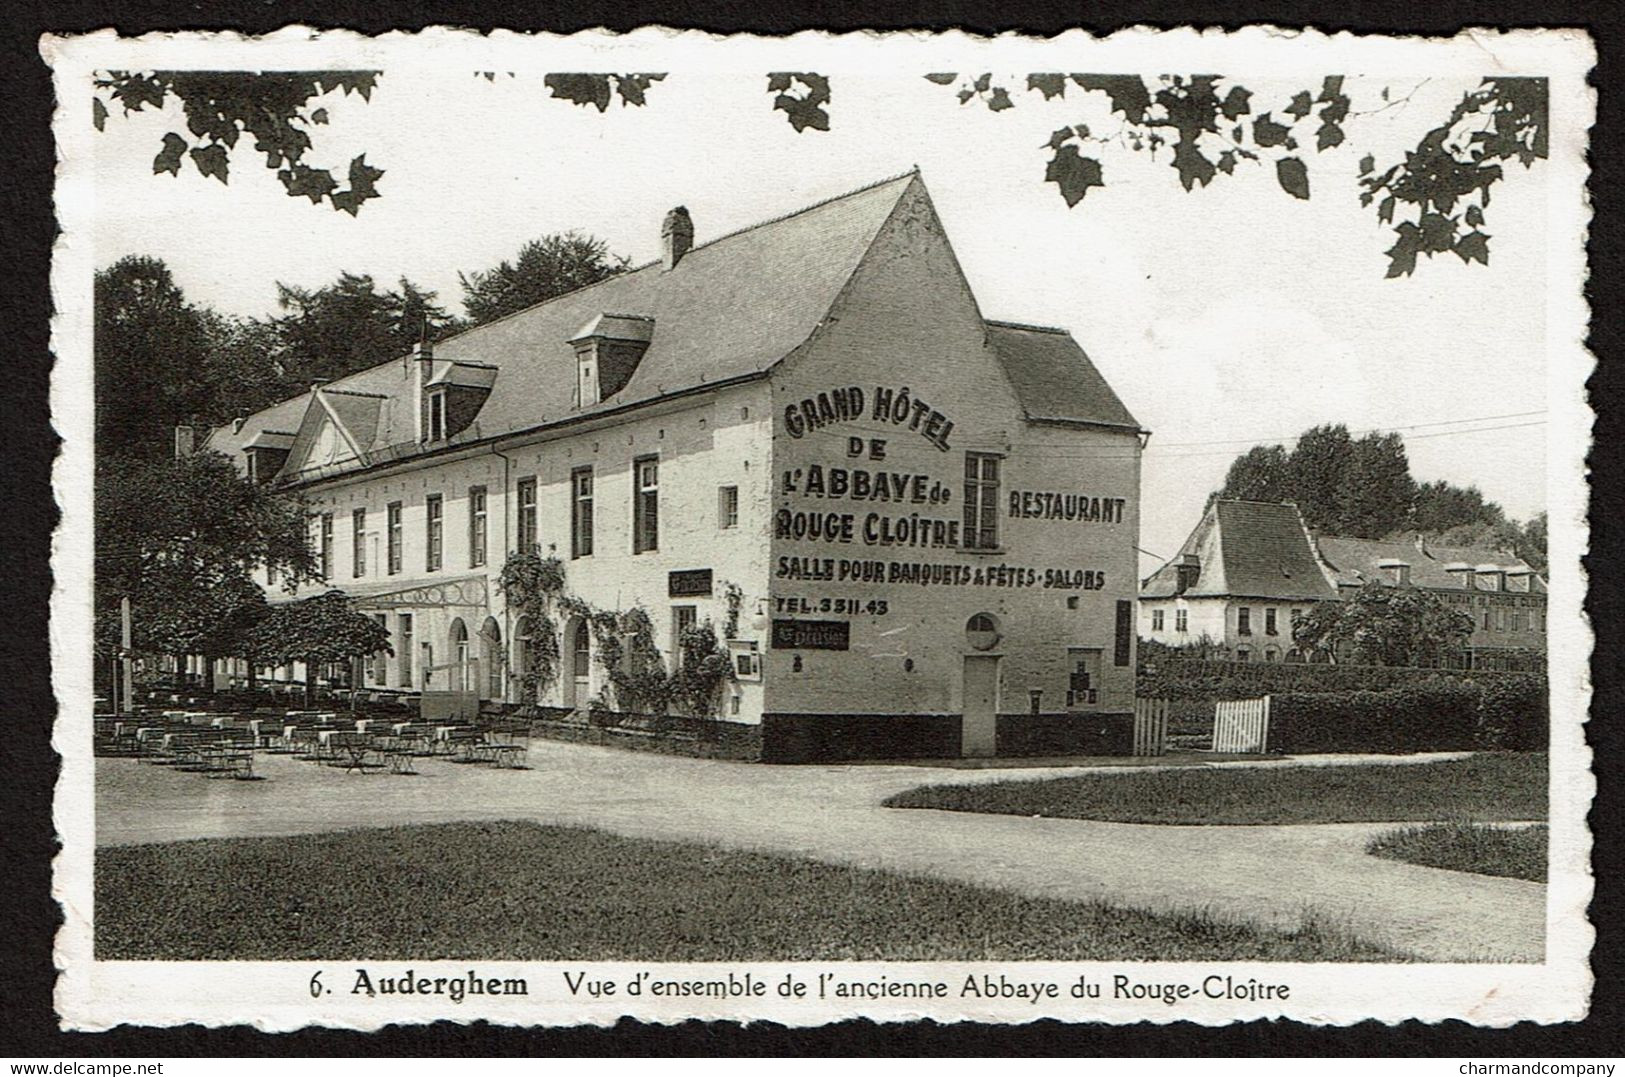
column 1249, row 569
column 804, row 432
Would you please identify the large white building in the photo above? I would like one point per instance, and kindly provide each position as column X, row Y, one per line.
column 920, row 522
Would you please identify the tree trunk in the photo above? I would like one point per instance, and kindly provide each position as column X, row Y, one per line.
column 310, row 684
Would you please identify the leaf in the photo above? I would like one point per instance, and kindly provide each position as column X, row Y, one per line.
column 1438, row 233
column 1475, row 217
column 943, row 78
column 1300, row 106
column 1128, row 94
column 983, row 81
column 999, row 99
column 211, row 161
column 1293, row 176
column 580, row 88
column 98, row 113
column 1332, row 88
column 319, row 116
column 1227, row 162
column 1385, row 210
column 778, row 82
column 634, row 88
column 1236, row 103
column 1073, row 174
column 1474, row 247
column 169, row 158
column 1266, row 132
column 1051, row 85
column 302, row 181
column 805, row 111
column 1193, row 166
column 1059, row 138
column 1328, row 136
column 1402, row 255
column 1367, row 163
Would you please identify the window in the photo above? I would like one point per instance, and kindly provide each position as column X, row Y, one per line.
column 1297, row 614
column 434, row 529
column 1243, row 654
column 526, row 492
column 358, row 543
column 437, row 415
column 327, row 546
column 982, row 632
column 1181, row 621
column 393, row 518
column 645, row 504
column 682, row 619
column 1156, row 620
column 1486, row 620
column 1269, row 622
column 476, row 526
column 1244, row 621
column 727, row 507
column 581, row 652
column 1125, row 633
column 581, row 512
column 403, row 633
column 981, row 502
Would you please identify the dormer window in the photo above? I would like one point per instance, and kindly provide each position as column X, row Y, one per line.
column 608, row 349
column 437, row 415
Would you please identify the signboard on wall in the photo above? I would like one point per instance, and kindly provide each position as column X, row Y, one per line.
column 688, row 582
column 811, row 635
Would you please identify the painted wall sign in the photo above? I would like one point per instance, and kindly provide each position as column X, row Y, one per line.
column 850, row 570
column 1049, row 505
column 811, row 635
column 688, row 582
column 897, row 407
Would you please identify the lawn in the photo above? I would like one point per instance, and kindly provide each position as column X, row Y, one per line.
column 1491, row 786
column 1512, row 852
column 520, row 891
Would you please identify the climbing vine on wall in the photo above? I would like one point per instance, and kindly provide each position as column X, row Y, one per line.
column 634, row 669
column 532, row 583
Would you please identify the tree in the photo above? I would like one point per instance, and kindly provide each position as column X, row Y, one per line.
column 317, row 631
column 545, row 267
column 150, row 350
column 1532, row 542
column 1318, row 467
column 1439, row 506
column 1384, row 626
column 181, row 539
column 221, row 106
column 1377, row 487
column 1259, row 474
column 350, row 325
column 1434, row 197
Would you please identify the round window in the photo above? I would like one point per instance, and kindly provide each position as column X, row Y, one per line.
column 982, row 632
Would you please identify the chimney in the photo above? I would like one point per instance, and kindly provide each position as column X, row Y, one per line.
column 676, row 237
column 1397, row 571
column 185, row 441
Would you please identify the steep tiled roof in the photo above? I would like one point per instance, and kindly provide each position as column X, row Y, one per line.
column 731, row 308
column 1053, row 378
column 1357, row 560
column 1250, row 549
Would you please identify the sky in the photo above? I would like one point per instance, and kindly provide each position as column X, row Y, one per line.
column 1227, row 316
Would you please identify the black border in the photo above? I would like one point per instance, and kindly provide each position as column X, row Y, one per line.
column 27, row 445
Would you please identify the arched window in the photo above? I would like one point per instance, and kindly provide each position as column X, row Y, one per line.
column 982, row 632
column 491, row 656
column 459, row 656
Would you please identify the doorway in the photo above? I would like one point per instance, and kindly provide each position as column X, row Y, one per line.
column 978, row 733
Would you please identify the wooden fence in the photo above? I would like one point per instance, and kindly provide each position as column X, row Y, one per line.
column 1241, row 726
column 1150, row 726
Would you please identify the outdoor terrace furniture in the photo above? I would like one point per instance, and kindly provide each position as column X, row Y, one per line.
column 351, row 751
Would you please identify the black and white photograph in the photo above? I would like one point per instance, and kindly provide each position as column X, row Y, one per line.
column 669, row 525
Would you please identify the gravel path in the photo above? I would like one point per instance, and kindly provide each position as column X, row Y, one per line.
column 1275, row 875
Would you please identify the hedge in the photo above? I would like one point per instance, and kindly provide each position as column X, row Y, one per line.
column 1440, row 716
column 1197, row 679
column 1444, row 714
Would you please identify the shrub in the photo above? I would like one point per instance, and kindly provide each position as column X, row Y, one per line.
column 1185, row 678
column 1440, row 715
column 1514, row 713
